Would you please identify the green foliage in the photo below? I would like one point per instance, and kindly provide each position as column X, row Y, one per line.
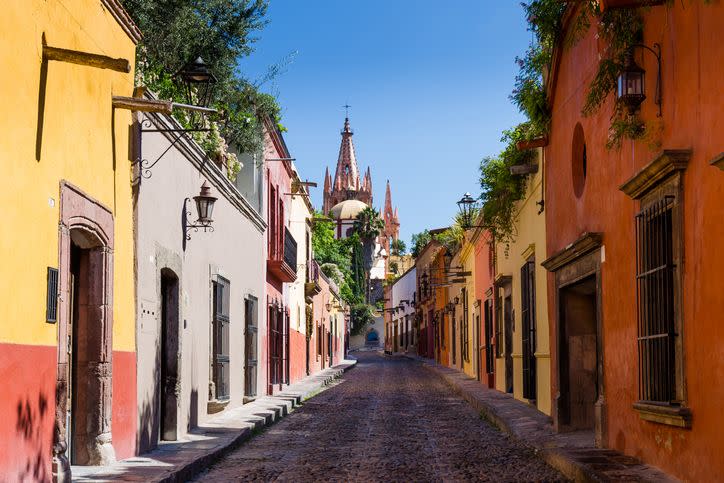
column 361, row 316
column 619, row 29
column 368, row 224
column 419, row 240
column 544, row 20
column 341, row 260
column 500, row 190
column 221, row 32
column 398, row 247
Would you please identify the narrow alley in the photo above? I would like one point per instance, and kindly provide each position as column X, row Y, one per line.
column 379, row 423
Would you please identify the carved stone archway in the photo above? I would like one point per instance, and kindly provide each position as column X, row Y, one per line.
column 84, row 375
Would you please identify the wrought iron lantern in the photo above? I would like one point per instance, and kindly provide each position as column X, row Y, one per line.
column 328, row 306
column 631, row 84
column 198, row 81
column 631, row 89
column 204, row 209
column 457, row 300
column 448, row 257
column 466, row 205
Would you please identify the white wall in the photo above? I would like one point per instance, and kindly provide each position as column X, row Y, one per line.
column 234, row 250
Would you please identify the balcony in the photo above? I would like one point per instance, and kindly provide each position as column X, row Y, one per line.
column 311, row 286
column 282, row 261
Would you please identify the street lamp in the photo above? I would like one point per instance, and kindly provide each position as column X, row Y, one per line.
column 466, row 205
column 631, row 88
column 197, row 79
column 204, row 209
column 198, row 83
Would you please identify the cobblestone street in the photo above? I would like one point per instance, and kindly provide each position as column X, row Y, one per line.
column 386, row 420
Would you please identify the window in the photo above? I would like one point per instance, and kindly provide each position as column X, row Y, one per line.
column 220, row 344
column 251, row 336
column 657, row 331
column 488, row 314
column 579, row 161
column 527, row 287
column 464, row 328
column 659, row 249
column 499, row 329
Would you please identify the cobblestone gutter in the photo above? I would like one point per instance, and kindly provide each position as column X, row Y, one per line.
column 573, row 454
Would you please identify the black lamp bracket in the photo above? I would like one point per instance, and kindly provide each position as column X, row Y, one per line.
column 657, row 53
column 145, row 126
column 188, row 226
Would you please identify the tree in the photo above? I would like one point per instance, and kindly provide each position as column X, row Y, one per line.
column 398, row 247
column 419, row 240
column 368, row 224
column 221, row 32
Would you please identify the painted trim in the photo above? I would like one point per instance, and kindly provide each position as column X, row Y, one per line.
column 664, row 165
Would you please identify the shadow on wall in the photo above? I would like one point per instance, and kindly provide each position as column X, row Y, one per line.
column 34, row 425
column 148, row 417
column 193, row 417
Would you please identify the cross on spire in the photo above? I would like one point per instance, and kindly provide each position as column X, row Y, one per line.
column 346, row 110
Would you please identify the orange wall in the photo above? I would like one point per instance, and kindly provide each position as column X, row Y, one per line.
column 693, row 108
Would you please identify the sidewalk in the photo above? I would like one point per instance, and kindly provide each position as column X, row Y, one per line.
column 573, row 454
column 181, row 460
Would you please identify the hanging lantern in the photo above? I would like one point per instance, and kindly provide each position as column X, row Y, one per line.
column 631, row 81
column 198, row 80
column 205, row 204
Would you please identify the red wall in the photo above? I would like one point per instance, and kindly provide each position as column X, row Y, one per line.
column 125, row 406
column 693, row 108
column 27, row 409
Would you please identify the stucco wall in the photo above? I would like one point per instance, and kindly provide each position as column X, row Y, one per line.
column 235, row 250
column 404, row 289
column 82, row 140
column 692, row 55
column 530, row 241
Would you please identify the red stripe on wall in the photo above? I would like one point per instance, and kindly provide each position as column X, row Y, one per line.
column 27, row 411
column 125, row 407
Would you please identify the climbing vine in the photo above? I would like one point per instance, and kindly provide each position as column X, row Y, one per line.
column 500, row 189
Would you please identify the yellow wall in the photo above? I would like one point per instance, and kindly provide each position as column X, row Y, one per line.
column 78, row 140
column 530, row 239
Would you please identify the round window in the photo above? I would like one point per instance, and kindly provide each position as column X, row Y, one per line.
column 579, row 161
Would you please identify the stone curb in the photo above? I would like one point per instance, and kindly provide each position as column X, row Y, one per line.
column 560, row 458
column 198, row 465
column 186, row 463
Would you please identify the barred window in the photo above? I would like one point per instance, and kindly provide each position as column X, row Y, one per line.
column 656, row 297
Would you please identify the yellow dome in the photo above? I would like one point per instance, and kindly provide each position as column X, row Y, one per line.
column 347, row 210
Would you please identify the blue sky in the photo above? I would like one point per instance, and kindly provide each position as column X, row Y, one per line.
column 428, row 83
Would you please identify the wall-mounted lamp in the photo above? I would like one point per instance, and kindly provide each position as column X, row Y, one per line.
column 631, row 90
column 204, row 209
column 198, row 83
column 457, row 300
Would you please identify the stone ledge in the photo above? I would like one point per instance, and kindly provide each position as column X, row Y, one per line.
column 670, row 415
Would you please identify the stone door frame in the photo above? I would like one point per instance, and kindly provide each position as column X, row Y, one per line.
column 79, row 212
column 578, row 261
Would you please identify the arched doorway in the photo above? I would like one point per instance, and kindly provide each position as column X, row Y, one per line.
column 372, row 338
column 84, row 376
column 169, row 355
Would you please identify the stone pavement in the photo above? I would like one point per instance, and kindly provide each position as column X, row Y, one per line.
column 180, row 460
column 388, row 420
column 573, row 454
